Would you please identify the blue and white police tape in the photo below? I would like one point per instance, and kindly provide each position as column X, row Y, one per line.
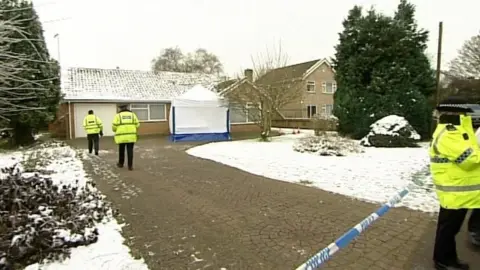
column 318, row 259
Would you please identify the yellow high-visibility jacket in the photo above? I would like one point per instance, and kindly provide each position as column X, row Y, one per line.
column 125, row 125
column 455, row 165
column 92, row 124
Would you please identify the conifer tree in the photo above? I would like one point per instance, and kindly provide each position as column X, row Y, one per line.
column 381, row 69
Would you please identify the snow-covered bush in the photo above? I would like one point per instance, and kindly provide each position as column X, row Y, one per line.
column 323, row 123
column 327, row 145
column 41, row 221
column 391, row 131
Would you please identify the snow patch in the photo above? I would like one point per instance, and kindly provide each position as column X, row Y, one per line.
column 375, row 175
column 63, row 166
column 108, row 253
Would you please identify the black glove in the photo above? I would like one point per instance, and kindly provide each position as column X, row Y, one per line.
column 101, row 133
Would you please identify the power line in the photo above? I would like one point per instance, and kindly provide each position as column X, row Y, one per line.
column 57, row 20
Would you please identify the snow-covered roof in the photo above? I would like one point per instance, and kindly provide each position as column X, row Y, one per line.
column 113, row 85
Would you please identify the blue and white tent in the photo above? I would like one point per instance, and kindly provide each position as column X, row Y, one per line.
column 199, row 115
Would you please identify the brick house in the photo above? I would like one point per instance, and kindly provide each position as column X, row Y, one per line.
column 148, row 94
column 318, row 80
column 314, row 82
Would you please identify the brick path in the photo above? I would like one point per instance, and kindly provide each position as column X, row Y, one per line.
column 188, row 213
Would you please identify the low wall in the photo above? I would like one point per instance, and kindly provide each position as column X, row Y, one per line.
column 302, row 124
column 293, row 123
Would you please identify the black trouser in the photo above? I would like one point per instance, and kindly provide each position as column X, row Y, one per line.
column 449, row 224
column 93, row 143
column 121, row 154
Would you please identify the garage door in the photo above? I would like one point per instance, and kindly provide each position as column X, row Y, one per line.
column 105, row 112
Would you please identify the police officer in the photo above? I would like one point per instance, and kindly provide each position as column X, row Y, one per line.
column 125, row 125
column 94, row 128
column 455, row 168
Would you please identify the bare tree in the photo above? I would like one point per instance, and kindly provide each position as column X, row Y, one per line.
column 268, row 88
column 170, row 59
column 11, row 66
column 467, row 63
column 200, row 61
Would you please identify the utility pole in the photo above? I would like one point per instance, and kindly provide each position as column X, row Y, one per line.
column 439, row 62
column 437, row 79
column 57, row 36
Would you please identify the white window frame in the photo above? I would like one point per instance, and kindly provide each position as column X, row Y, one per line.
column 311, row 83
column 324, row 87
column 147, row 108
column 316, row 110
column 324, row 109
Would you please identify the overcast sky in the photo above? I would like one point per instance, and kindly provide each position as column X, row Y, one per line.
column 128, row 33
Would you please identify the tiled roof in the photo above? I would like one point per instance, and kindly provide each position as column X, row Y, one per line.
column 225, row 84
column 93, row 84
column 293, row 72
column 286, row 73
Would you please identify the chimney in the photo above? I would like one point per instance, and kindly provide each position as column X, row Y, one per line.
column 118, row 67
column 249, row 74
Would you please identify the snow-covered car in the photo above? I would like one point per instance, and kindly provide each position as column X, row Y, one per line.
column 475, row 115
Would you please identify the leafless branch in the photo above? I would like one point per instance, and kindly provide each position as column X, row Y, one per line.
column 14, row 87
column 272, row 87
column 467, row 63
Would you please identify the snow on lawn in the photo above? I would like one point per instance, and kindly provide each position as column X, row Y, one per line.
column 375, row 175
column 66, row 168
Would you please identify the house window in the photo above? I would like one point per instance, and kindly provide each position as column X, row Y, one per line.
column 149, row 112
column 327, row 109
column 311, row 110
column 329, row 87
column 240, row 114
column 311, row 86
column 237, row 115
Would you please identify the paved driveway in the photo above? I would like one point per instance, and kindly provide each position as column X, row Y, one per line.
column 188, row 213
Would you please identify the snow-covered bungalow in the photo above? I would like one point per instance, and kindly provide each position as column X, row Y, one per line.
column 148, row 94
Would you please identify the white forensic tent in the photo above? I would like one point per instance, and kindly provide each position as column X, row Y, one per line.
column 199, row 115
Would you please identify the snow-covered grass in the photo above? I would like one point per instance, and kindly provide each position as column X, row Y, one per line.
column 64, row 167
column 375, row 175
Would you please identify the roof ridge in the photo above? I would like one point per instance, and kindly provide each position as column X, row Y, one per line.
column 302, row 63
column 143, row 71
column 92, row 68
column 289, row 72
